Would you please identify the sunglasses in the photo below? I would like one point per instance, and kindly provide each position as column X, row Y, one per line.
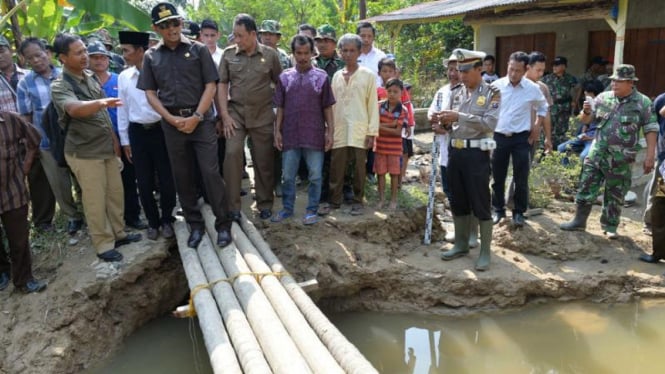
column 168, row 24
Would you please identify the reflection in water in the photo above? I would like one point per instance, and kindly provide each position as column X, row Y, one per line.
column 568, row 338
column 166, row 345
column 548, row 339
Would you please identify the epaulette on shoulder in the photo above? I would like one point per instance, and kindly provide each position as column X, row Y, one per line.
column 494, row 89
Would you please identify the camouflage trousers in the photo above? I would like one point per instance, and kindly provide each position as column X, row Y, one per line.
column 604, row 171
column 560, row 123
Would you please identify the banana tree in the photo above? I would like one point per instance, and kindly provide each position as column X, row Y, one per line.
column 46, row 18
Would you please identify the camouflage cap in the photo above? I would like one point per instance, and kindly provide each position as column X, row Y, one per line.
column 4, row 41
column 326, row 32
column 270, row 26
column 152, row 36
column 624, row 72
column 97, row 48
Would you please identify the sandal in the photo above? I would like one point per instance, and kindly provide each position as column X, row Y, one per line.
column 310, row 218
column 324, row 209
column 281, row 216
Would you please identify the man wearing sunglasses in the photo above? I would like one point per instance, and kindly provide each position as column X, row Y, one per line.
column 180, row 78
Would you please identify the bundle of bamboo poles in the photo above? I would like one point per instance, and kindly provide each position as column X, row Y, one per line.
column 270, row 325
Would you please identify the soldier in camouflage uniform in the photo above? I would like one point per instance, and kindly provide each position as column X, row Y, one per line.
column 562, row 87
column 269, row 35
column 326, row 43
column 620, row 114
column 471, row 120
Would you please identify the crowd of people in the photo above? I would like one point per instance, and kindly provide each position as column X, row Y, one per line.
column 173, row 116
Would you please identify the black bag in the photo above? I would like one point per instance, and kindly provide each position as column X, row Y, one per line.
column 55, row 132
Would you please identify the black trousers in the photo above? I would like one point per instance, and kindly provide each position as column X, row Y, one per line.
column 518, row 148
column 468, row 177
column 150, row 157
column 41, row 195
column 132, row 207
column 15, row 224
column 202, row 146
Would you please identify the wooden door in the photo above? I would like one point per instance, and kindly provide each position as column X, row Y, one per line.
column 644, row 48
column 541, row 42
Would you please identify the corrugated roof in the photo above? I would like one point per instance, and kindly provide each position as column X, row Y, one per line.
column 442, row 9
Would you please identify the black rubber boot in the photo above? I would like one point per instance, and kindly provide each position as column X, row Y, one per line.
column 579, row 221
column 461, row 247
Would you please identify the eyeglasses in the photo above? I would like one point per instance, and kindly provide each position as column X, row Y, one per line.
column 168, row 24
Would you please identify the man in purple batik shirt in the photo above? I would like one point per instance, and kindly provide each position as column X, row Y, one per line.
column 304, row 126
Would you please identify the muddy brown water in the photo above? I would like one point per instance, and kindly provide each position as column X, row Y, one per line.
column 551, row 338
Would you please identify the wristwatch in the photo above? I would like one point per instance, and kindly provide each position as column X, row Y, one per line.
column 198, row 115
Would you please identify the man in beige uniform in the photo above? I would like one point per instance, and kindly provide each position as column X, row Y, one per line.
column 471, row 121
column 248, row 73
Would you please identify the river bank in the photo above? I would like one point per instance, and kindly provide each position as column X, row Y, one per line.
column 374, row 262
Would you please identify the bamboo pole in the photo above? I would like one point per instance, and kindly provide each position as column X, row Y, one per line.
column 348, row 356
column 278, row 347
column 315, row 353
column 244, row 342
column 222, row 356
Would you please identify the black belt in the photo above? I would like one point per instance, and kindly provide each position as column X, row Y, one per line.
column 147, row 126
column 182, row 112
column 509, row 134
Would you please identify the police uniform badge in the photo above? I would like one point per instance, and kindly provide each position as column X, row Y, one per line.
column 481, row 100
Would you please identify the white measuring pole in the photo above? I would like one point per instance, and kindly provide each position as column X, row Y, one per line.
column 432, row 178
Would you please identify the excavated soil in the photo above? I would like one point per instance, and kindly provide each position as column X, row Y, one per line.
column 373, row 262
column 378, row 262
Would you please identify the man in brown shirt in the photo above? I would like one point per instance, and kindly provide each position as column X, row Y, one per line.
column 248, row 73
column 91, row 149
column 14, row 201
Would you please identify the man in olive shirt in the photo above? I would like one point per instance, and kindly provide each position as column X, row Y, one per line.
column 248, row 72
column 179, row 78
column 91, row 149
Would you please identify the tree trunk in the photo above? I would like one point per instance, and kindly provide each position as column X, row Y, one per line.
column 362, row 7
column 16, row 31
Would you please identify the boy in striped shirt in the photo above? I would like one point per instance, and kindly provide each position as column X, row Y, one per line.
column 393, row 117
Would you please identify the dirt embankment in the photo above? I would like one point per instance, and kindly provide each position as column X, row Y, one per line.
column 377, row 263
column 372, row 262
column 88, row 308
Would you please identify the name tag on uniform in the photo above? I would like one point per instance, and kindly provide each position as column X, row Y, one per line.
column 481, row 100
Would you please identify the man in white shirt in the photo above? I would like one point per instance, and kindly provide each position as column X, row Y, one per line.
column 142, row 139
column 514, row 134
column 369, row 58
column 369, row 55
column 210, row 37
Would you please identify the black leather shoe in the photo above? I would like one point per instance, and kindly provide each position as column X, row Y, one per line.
column 4, row 281
column 265, row 213
column 33, row 286
column 518, row 219
column 137, row 224
column 497, row 217
column 74, row 226
column 195, row 238
column 130, row 238
column 235, row 216
column 223, row 238
column 110, row 256
column 649, row 258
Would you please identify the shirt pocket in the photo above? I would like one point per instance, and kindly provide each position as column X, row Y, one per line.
column 261, row 68
column 628, row 130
